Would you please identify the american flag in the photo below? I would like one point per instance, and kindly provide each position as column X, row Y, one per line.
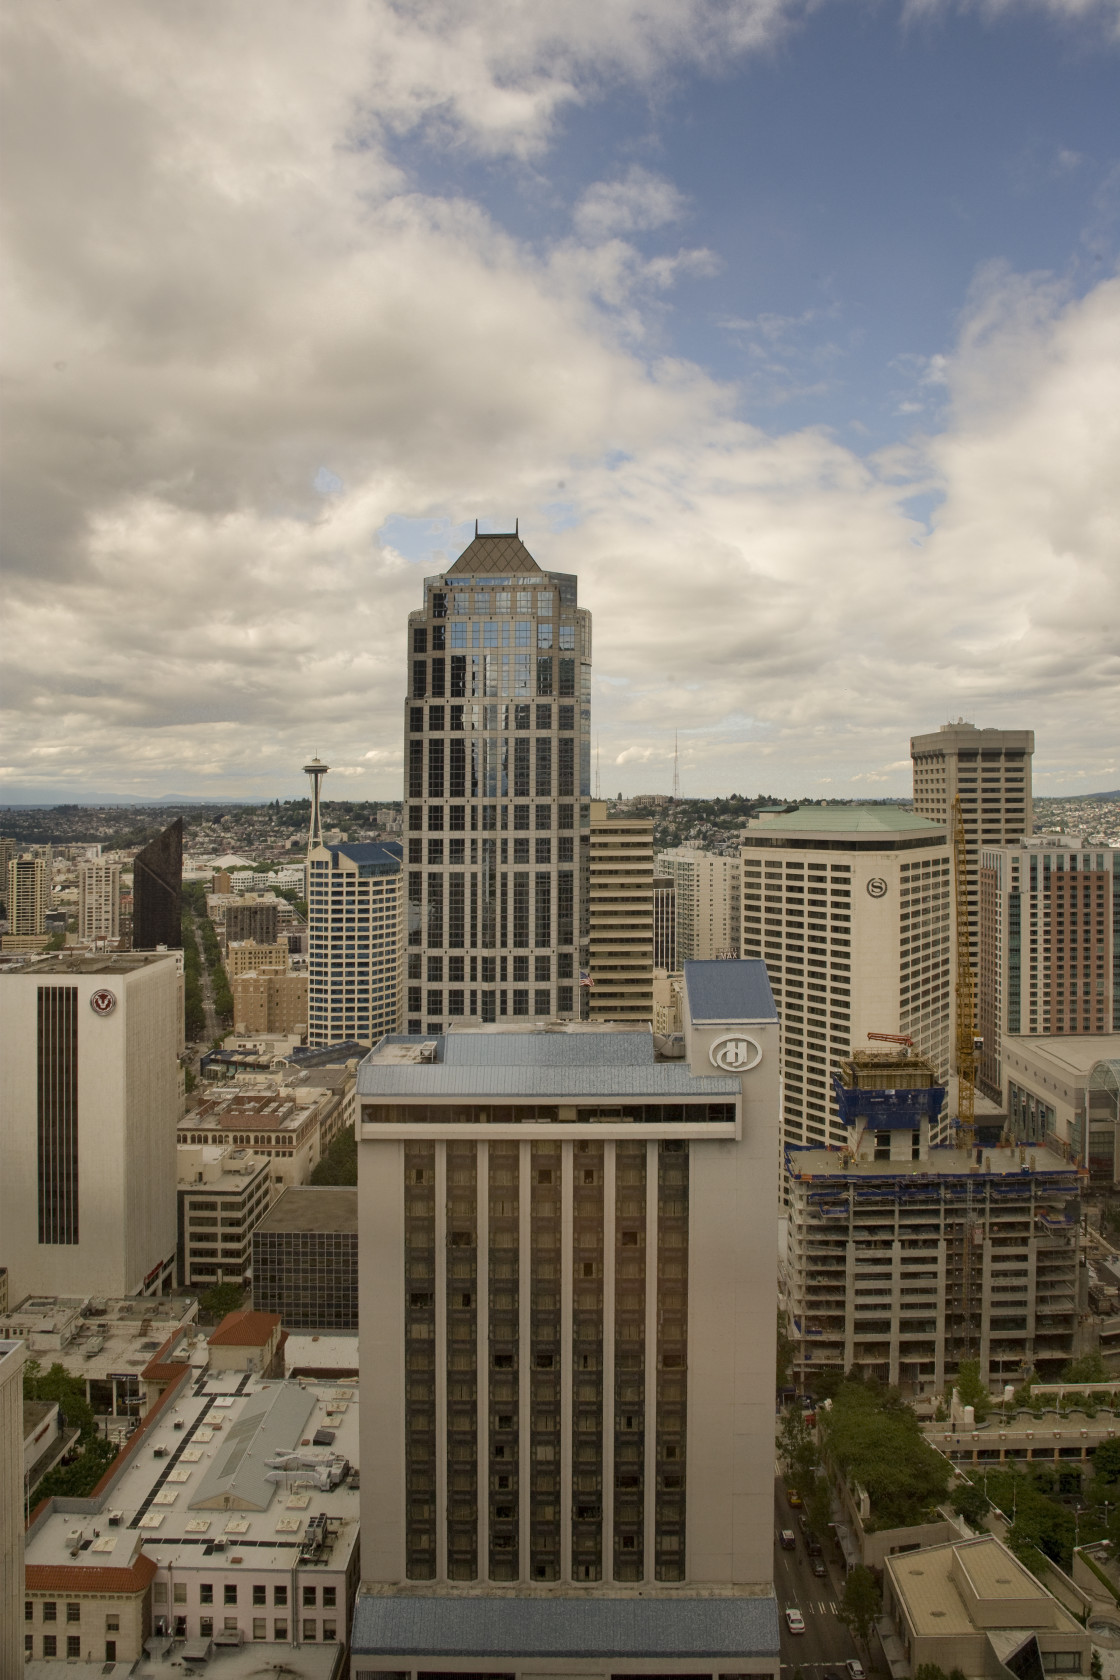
column 586, row 980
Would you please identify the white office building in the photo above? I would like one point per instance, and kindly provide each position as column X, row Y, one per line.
column 355, row 942
column 707, row 909
column 89, row 1083
column 568, row 1277
column 850, row 907
column 99, row 898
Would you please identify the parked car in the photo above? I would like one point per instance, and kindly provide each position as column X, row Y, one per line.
column 855, row 1670
column 795, row 1621
column 787, row 1539
column 818, row 1567
column 794, row 1498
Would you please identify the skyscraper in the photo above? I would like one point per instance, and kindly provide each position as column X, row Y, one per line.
column 99, row 898
column 991, row 770
column 568, row 1275
column 29, row 894
column 1049, row 945
column 157, row 891
column 707, row 902
column 620, row 917
column 497, row 760
column 851, row 908
column 355, row 933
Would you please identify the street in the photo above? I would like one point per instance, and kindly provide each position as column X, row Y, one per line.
column 826, row 1644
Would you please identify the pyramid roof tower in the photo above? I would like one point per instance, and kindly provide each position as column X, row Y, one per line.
column 498, row 554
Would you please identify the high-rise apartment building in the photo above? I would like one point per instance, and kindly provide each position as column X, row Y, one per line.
column 90, row 1099
column 991, row 771
column 157, row 891
column 259, row 922
column 851, row 909
column 707, row 889
column 29, row 895
column 497, row 760
column 1049, row 944
column 620, row 917
column 355, row 939
column 99, row 900
column 568, row 1276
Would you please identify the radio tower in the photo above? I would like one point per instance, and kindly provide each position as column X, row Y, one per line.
column 316, row 770
column 676, row 770
column 598, row 795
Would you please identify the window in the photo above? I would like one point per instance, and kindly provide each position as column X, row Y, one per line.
column 280, row 1626
column 260, row 1628
column 279, row 1595
column 73, row 1644
column 110, row 1650
column 330, row 1594
column 50, row 1645
column 309, row 1595
column 260, row 1596
column 309, row 1626
column 28, row 1610
column 206, row 1592
column 329, row 1630
column 50, row 1610
column 230, row 1593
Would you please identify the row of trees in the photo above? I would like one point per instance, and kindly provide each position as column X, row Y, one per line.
column 88, row 1462
column 192, row 980
column 340, row 1163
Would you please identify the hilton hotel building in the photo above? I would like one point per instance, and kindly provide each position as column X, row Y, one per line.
column 497, row 777
column 568, row 1277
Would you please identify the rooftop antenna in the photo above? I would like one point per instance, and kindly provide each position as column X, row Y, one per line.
column 598, row 793
column 676, row 769
column 316, row 770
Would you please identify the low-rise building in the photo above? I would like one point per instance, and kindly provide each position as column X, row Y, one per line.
column 1053, row 1438
column 248, row 956
column 106, row 1343
column 1063, row 1091
column 223, row 1193
column 231, row 1516
column 290, row 1125
column 248, row 1341
column 305, row 1259
column 971, row 1605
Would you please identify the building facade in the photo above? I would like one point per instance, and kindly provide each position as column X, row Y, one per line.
column 11, row 1503
column 270, row 1002
column 991, row 771
column 157, row 891
column 707, row 903
column 620, row 917
column 355, row 942
column 256, row 922
column 497, row 760
column 567, row 1339
column 305, row 1259
column 99, row 898
column 851, row 909
column 664, row 923
column 1063, row 1092
column 1049, row 945
column 29, row 895
column 223, row 1194
column 90, row 1098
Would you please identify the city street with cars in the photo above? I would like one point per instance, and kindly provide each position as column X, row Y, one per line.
column 825, row 1649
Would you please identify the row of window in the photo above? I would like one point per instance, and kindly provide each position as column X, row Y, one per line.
column 490, row 767
column 496, row 719
column 488, row 819
column 479, row 679
column 457, row 851
column 258, row 1591
column 493, row 969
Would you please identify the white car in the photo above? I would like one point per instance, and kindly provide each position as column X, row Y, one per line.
column 795, row 1621
column 855, row 1670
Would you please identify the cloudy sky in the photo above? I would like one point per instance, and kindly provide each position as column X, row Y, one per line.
column 793, row 328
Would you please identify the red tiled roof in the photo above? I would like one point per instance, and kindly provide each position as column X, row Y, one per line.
column 246, row 1329
column 75, row 1577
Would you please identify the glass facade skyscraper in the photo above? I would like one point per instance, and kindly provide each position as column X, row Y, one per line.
column 496, row 785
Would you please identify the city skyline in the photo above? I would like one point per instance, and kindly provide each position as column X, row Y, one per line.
column 792, row 335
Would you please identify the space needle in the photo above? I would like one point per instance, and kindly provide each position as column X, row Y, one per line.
column 316, row 770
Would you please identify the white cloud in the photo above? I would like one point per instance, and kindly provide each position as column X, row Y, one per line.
column 243, row 344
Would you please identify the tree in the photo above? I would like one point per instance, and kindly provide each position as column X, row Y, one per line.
column 818, row 1505
column 798, row 1451
column 1088, row 1369
column 785, row 1352
column 929, row 1671
column 971, row 1503
column 972, row 1391
column 79, row 1478
column 340, row 1163
column 1106, row 1462
column 69, row 1392
column 874, row 1438
column 860, row 1603
column 223, row 1298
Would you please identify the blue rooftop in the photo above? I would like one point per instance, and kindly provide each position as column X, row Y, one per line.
column 701, row 1628
column 729, row 991
column 370, row 851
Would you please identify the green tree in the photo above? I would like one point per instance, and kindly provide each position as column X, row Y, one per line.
column 785, row 1352
column 874, row 1438
column 1106, row 1462
column 340, row 1163
column 798, row 1451
column 818, row 1505
column 971, row 1503
column 1088, row 1369
column 67, row 1391
column 860, row 1603
column 972, row 1391
column 223, row 1298
column 79, row 1478
column 929, row 1671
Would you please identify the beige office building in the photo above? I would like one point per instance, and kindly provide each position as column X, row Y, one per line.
column 706, row 903
column 99, row 897
column 245, row 956
column 620, row 917
column 89, row 1098
column 850, row 907
column 568, row 1279
column 29, row 895
column 269, row 1002
column 991, row 771
column 355, row 942
column 1049, row 926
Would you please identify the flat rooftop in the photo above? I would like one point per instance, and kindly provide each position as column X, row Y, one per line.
column 313, row 1207
column 209, row 1486
column 1066, row 1056
column 1005, row 1589
column 94, row 1338
column 249, row 1662
column 104, row 962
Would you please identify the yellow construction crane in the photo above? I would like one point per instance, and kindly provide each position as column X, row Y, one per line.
column 966, row 988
